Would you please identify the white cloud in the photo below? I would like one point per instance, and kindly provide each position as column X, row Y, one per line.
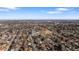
column 54, row 12
column 58, row 11
column 3, row 9
column 7, row 9
column 13, row 8
column 62, row 9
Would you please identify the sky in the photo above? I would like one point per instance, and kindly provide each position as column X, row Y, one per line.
column 39, row 13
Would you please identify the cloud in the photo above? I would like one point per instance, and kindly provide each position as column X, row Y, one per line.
column 53, row 12
column 3, row 9
column 13, row 8
column 62, row 9
column 7, row 9
column 58, row 11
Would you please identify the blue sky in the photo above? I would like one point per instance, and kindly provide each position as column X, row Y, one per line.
column 39, row 13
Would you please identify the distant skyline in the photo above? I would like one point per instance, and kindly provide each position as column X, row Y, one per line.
column 39, row 13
